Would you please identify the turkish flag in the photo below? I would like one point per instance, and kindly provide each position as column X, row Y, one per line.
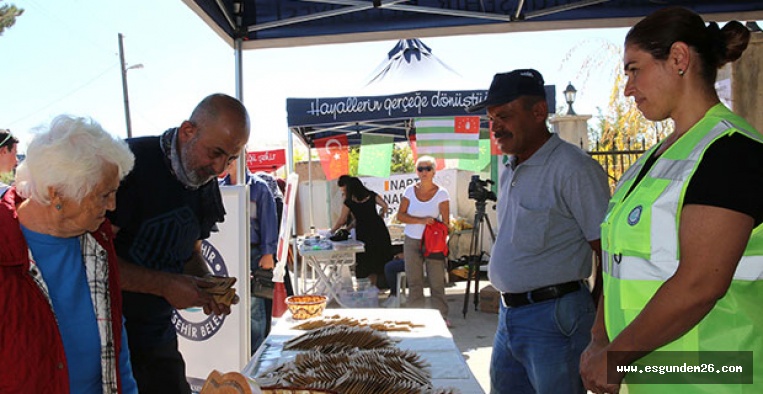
column 467, row 124
column 334, row 153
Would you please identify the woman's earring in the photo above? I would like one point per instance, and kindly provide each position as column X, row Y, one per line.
column 680, row 72
column 58, row 207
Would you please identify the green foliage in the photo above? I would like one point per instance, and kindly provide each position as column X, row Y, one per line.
column 8, row 15
column 621, row 127
column 402, row 158
column 6, row 178
column 353, row 158
column 300, row 154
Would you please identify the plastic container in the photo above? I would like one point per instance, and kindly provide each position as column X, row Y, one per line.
column 362, row 295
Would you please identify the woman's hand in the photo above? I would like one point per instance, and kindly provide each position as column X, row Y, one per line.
column 427, row 221
column 593, row 369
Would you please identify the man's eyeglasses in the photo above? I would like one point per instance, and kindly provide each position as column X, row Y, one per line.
column 424, row 168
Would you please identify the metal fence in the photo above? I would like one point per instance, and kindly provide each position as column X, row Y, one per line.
column 616, row 161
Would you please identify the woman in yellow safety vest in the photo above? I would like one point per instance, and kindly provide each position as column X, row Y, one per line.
column 682, row 239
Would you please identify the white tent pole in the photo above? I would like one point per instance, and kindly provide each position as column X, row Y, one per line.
column 239, row 71
column 290, row 152
column 310, row 185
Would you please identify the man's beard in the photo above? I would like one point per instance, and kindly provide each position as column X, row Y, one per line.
column 194, row 176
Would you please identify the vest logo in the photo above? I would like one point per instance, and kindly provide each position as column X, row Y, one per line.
column 192, row 323
column 635, row 215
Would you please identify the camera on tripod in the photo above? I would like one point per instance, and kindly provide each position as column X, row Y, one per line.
column 478, row 189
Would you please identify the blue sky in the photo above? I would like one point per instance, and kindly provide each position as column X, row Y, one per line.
column 62, row 57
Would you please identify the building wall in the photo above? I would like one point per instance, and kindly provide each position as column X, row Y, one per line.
column 747, row 82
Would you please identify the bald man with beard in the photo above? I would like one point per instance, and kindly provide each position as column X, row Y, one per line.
column 165, row 208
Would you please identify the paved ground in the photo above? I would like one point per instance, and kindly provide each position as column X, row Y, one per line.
column 474, row 334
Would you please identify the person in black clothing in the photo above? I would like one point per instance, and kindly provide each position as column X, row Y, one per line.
column 166, row 206
column 369, row 228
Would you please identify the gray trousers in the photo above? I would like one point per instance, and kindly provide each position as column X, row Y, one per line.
column 414, row 273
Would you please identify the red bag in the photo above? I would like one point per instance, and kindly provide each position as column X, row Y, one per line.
column 434, row 243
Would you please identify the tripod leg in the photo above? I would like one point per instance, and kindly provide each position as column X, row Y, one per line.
column 484, row 221
column 474, row 256
column 477, row 266
column 468, row 286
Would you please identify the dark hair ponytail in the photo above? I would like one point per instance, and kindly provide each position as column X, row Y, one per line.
column 736, row 37
column 661, row 29
column 356, row 188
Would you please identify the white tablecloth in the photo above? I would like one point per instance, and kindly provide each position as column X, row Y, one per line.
column 433, row 343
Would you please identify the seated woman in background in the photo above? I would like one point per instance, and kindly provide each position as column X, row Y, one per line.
column 369, row 228
column 60, row 298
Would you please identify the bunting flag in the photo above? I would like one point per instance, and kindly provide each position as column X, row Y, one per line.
column 479, row 164
column 448, row 138
column 375, row 155
column 334, row 153
column 439, row 161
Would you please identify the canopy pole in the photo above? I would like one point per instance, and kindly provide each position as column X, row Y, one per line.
column 238, row 51
column 238, row 46
column 310, row 189
column 290, row 153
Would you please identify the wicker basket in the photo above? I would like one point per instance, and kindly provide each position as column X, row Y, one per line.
column 306, row 306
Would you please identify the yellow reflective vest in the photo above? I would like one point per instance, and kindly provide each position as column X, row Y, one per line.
column 641, row 251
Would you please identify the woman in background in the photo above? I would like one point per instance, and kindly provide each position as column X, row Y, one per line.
column 424, row 202
column 369, row 228
column 60, row 299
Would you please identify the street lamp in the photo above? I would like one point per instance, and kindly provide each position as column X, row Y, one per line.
column 569, row 96
column 124, row 68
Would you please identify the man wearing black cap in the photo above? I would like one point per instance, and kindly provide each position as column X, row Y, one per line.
column 552, row 199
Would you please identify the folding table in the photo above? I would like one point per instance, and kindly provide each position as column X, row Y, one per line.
column 327, row 267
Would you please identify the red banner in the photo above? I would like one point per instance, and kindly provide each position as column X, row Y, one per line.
column 334, row 152
column 266, row 160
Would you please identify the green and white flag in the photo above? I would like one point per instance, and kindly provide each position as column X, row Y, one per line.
column 375, row 155
column 479, row 164
column 448, row 138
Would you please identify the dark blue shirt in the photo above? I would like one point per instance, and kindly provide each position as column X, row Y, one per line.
column 159, row 221
column 263, row 218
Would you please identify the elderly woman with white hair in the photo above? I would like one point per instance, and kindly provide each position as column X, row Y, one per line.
column 424, row 202
column 60, row 299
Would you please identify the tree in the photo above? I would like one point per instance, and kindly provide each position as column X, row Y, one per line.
column 402, row 158
column 623, row 133
column 353, row 158
column 400, row 163
column 8, row 15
